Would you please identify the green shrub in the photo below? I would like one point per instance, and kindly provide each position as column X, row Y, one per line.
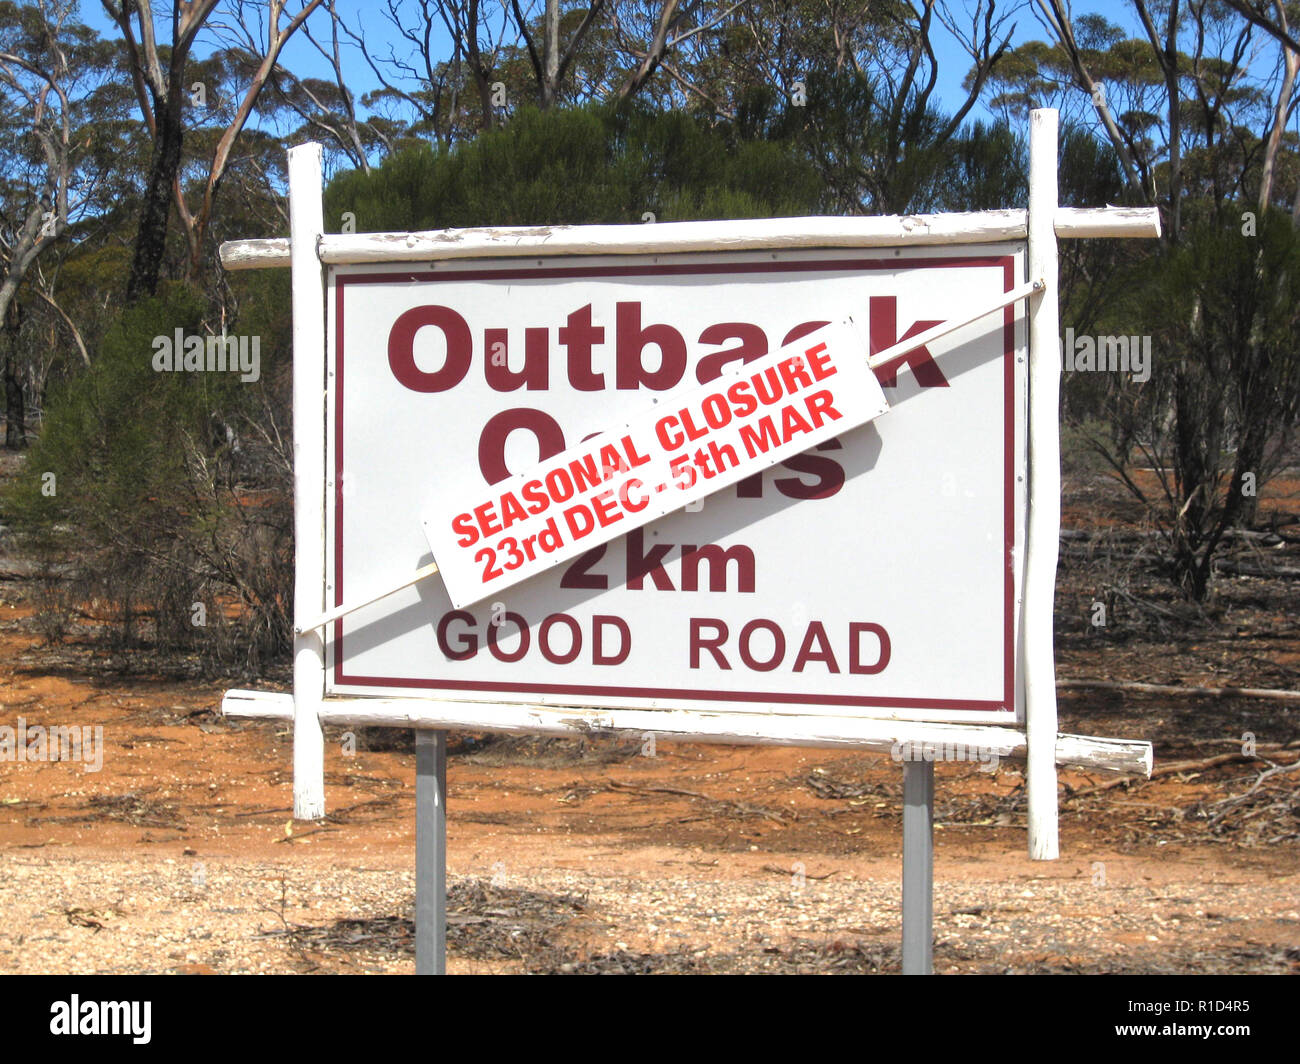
column 135, row 481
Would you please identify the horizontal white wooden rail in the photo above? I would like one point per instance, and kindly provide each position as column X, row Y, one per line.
column 667, row 237
column 764, row 729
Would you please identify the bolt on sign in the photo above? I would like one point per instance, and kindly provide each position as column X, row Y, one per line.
column 672, row 482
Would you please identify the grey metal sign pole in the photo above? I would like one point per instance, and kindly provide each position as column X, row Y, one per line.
column 430, row 852
column 918, row 867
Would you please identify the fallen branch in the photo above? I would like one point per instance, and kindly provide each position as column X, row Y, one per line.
column 1268, row 774
column 1175, row 768
column 1226, row 806
column 258, row 812
column 304, row 835
column 1176, row 689
column 1234, row 568
column 1270, row 538
column 344, row 815
column 778, row 870
column 740, row 807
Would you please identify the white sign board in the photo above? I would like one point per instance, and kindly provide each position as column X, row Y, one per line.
column 670, row 455
column 876, row 574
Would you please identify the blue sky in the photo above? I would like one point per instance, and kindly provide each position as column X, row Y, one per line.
column 300, row 57
column 954, row 63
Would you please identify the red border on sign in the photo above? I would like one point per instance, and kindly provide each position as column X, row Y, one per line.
column 1006, row 262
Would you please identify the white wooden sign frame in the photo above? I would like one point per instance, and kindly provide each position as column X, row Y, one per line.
column 308, row 250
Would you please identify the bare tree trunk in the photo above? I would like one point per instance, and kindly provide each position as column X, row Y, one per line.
column 659, row 44
column 47, row 214
column 77, row 338
column 1171, row 59
column 1167, row 55
column 160, row 100
column 196, row 226
column 477, row 67
column 551, row 53
column 151, row 236
column 1291, row 59
column 15, row 408
column 1057, row 14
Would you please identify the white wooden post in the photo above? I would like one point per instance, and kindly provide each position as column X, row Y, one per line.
column 306, row 224
column 1044, row 518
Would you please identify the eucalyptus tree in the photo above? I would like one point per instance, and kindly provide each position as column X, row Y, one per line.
column 1195, row 107
column 158, row 49
column 65, row 149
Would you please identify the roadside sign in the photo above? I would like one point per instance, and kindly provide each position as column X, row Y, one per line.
column 888, row 584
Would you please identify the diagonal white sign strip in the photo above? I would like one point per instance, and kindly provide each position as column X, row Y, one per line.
column 687, row 445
